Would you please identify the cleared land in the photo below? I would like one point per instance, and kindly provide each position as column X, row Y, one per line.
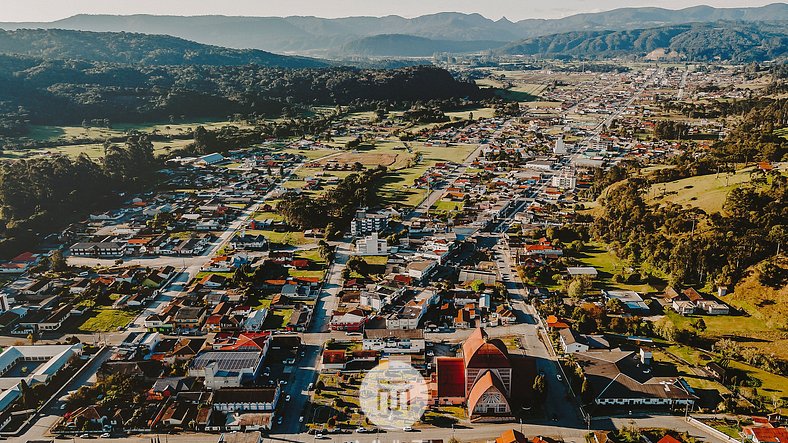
column 707, row 192
column 107, row 319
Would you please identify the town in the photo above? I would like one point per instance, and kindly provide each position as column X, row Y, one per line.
column 248, row 294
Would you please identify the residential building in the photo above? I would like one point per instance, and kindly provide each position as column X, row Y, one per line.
column 372, row 245
column 394, row 341
column 226, row 369
column 99, row 249
column 366, row 223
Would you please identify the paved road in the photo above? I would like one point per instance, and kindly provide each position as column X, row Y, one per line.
column 476, row 433
column 50, row 415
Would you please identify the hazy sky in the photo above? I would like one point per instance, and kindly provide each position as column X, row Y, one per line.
column 48, row 10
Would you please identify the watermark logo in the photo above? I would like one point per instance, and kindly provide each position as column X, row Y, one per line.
column 394, row 395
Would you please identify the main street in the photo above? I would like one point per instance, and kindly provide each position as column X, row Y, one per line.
column 476, row 433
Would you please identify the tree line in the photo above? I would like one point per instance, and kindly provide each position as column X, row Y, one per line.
column 336, row 207
column 61, row 92
column 42, row 194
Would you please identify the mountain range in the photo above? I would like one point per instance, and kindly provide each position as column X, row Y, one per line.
column 735, row 41
column 342, row 36
column 133, row 48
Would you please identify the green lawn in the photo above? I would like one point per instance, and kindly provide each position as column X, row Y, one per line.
column 277, row 319
column 375, row 260
column 319, row 274
column 275, row 216
column 772, row 383
column 106, row 320
column 448, row 206
column 313, row 255
column 283, row 238
column 608, row 264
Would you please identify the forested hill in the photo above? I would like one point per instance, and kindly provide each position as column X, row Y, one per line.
column 131, row 48
column 400, row 45
column 741, row 42
column 68, row 91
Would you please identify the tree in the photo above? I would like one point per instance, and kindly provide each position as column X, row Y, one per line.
column 585, row 390
column 539, row 386
column 57, row 261
column 580, row 286
column 477, row 286
column 699, row 325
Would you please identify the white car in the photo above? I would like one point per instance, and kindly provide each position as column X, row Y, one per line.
column 105, row 435
column 407, row 429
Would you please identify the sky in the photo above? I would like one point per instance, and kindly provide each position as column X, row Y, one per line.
column 49, row 10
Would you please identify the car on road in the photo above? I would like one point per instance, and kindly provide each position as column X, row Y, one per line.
column 407, row 429
column 361, row 430
column 320, row 436
column 105, row 435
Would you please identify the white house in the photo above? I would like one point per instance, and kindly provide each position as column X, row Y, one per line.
column 571, row 342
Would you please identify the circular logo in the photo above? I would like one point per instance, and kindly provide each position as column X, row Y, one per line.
column 393, row 395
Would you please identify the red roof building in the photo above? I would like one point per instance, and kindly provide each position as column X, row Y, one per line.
column 762, row 434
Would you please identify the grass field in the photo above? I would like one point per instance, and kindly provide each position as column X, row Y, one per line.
column 608, row 264
column 707, row 192
column 477, row 113
column 284, row 238
column 106, row 320
column 448, row 206
column 49, row 133
column 772, row 384
column 397, row 187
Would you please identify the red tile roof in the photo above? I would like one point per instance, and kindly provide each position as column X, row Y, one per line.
column 668, row 439
column 334, row 356
column 511, row 436
column 479, row 352
column 772, row 435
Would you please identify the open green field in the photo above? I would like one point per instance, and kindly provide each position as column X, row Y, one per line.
column 398, row 187
column 92, row 150
column 51, row 133
column 309, row 154
column 313, row 255
column 275, row 216
column 696, row 381
column 448, row 206
column 607, row 264
column 107, row 319
column 707, row 192
column 772, row 384
column 477, row 113
column 284, row 238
